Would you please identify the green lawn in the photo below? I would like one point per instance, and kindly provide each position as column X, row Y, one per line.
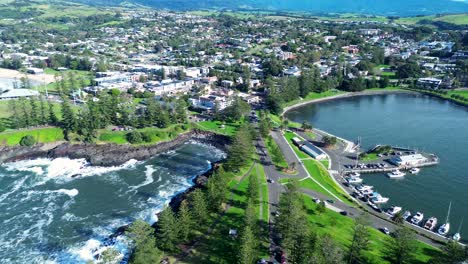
column 219, row 127
column 322, row 176
column 340, row 228
column 457, row 19
column 271, row 145
column 307, row 184
column 156, row 134
column 370, row 157
column 42, row 135
column 314, row 96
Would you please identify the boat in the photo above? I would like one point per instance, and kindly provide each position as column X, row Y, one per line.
column 457, row 235
column 364, row 187
column 406, row 215
column 374, row 206
column 417, row 218
column 354, row 179
column 445, row 228
column 377, row 199
column 430, row 223
column 393, row 210
column 396, row 174
column 354, row 174
column 414, row 171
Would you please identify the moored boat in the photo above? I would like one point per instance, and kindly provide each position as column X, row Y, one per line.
column 445, row 228
column 395, row 174
column 414, row 171
column 430, row 223
column 457, row 235
column 406, row 215
column 354, row 180
column 393, row 210
column 377, row 199
column 417, row 218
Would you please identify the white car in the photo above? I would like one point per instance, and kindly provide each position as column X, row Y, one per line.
column 385, row 231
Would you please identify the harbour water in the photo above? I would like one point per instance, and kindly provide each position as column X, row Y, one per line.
column 49, row 216
column 421, row 122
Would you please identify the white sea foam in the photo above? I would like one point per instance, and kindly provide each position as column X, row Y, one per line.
column 148, row 180
column 16, row 186
column 71, row 193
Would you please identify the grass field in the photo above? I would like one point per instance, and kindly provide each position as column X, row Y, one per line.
column 42, row 135
column 219, row 127
column 340, row 228
column 156, row 134
column 457, row 19
column 314, row 96
column 281, row 161
column 289, row 136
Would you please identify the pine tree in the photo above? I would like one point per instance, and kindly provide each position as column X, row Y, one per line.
column 52, row 117
column 240, row 149
column 15, row 118
column 253, row 188
column 69, row 121
column 168, row 232
column 42, row 111
column 401, row 247
column 199, row 206
column 142, row 235
column 185, row 221
column 250, row 217
column 25, row 117
column 34, row 111
column 360, row 241
column 247, row 247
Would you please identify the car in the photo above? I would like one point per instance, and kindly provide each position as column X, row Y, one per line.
column 344, row 213
column 270, row 181
column 385, row 230
column 316, row 200
column 330, row 201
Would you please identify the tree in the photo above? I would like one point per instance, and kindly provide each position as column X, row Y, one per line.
column 250, row 217
column 52, row 117
column 329, row 251
column 168, row 231
column 408, row 70
column 329, row 140
column 110, row 256
column 306, row 126
column 184, row 220
column 247, row 246
column 360, row 241
column 69, row 121
column 398, row 218
column 27, row 141
column 199, row 206
column 142, row 235
column 401, row 247
column 452, row 253
column 134, row 137
column 240, row 149
column 216, row 191
column 2, row 126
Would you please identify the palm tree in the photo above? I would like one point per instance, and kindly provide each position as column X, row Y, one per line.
column 398, row 218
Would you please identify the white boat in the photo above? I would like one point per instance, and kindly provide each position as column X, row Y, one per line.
column 414, row 171
column 393, row 210
column 417, row 218
column 406, row 215
column 354, row 174
column 457, row 235
column 377, row 199
column 354, row 180
column 430, row 223
column 445, row 228
column 364, row 187
column 396, row 174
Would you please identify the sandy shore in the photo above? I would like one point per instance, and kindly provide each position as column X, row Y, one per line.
column 40, row 78
column 344, row 95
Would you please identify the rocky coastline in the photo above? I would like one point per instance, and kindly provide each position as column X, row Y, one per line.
column 108, row 154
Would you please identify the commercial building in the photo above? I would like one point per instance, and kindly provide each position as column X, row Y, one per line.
column 18, row 93
column 409, row 160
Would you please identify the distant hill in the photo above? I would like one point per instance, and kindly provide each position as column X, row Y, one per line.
column 372, row 7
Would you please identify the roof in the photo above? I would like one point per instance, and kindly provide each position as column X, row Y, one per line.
column 18, row 93
column 312, row 150
column 413, row 157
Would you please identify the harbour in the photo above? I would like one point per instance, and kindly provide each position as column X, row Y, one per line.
column 437, row 181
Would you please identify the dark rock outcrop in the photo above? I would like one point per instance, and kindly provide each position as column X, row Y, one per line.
column 108, row 154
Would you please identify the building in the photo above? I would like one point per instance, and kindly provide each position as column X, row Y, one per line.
column 18, row 93
column 429, row 83
column 210, row 102
column 293, row 71
column 409, row 160
column 118, row 78
column 313, row 151
column 172, row 87
column 369, row 32
column 35, row 71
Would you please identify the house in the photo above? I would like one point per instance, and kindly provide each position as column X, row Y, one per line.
column 369, row 32
column 429, row 83
column 293, row 71
column 227, row 84
column 210, row 102
column 172, row 87
column 408, row 160
column 113, row 79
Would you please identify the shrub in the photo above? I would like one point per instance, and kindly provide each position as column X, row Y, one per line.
column 27, row 141
column 2, row 127
column 134, row 137
column 147, row 136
